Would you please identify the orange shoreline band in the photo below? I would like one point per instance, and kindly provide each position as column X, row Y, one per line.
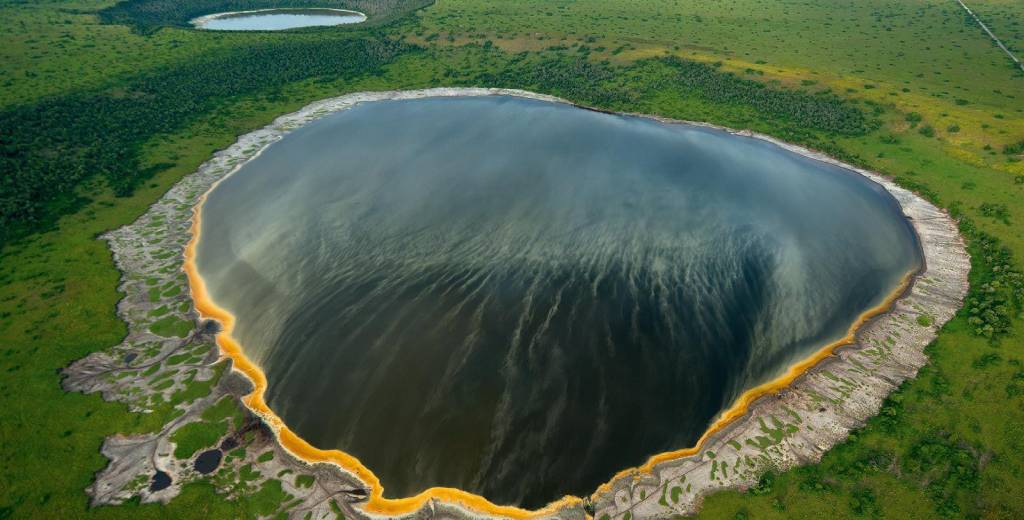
column 377, row 503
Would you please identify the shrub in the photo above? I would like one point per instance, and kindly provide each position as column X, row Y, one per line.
column 1015, row 148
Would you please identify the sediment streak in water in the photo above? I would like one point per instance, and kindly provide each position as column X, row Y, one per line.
column 598, row 283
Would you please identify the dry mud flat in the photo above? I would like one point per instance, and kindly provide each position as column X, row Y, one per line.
column 170, row 360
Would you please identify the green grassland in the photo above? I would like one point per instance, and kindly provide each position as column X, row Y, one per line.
column 1005, row 18
column 909, row 88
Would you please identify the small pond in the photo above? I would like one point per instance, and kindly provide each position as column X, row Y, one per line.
column 277, row 19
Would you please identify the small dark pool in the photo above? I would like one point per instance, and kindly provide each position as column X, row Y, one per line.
column 229, row 444
column 161, row 480
column 208, row 461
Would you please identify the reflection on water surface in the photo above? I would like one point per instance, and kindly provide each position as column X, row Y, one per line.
column 520, row 298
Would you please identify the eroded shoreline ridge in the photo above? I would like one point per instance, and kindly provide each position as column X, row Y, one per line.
column 170, row 350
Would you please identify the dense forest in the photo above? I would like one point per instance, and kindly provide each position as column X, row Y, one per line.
column 600, row 84
column 48, row 148
column 149, row 15
column 822, row 111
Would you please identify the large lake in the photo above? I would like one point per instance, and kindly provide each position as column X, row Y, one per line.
column 520, row 298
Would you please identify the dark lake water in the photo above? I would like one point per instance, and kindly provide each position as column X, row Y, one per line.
column 278, row 19
column 520, row 298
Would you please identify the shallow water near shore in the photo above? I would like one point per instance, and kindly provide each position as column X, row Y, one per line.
column 277, row 19
column 519, row 298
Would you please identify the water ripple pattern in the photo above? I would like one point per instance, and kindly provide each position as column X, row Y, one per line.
column 519, row 298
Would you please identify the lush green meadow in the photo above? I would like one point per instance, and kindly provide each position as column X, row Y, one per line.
column 909, row 88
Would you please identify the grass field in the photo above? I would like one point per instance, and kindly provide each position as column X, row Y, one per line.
column 1005, row 18
column 949, row 444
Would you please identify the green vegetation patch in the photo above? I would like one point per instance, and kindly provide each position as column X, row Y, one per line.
column 195, row 436
column 171, row 326
column 602, row 84
column 102, row 130
column 820, row 111
column 270, row 498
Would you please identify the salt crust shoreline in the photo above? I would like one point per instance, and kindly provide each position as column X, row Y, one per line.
column 792, row 426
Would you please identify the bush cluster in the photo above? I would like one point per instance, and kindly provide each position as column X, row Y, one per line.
column 997, row 294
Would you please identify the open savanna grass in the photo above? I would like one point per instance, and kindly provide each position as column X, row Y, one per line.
column 920, row 55
column 1005, row 18
column 933, row 165
column 925, row 42
column 975, row 133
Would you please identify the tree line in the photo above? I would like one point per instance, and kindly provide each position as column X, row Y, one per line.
column 48, row 148
column 602, row 84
